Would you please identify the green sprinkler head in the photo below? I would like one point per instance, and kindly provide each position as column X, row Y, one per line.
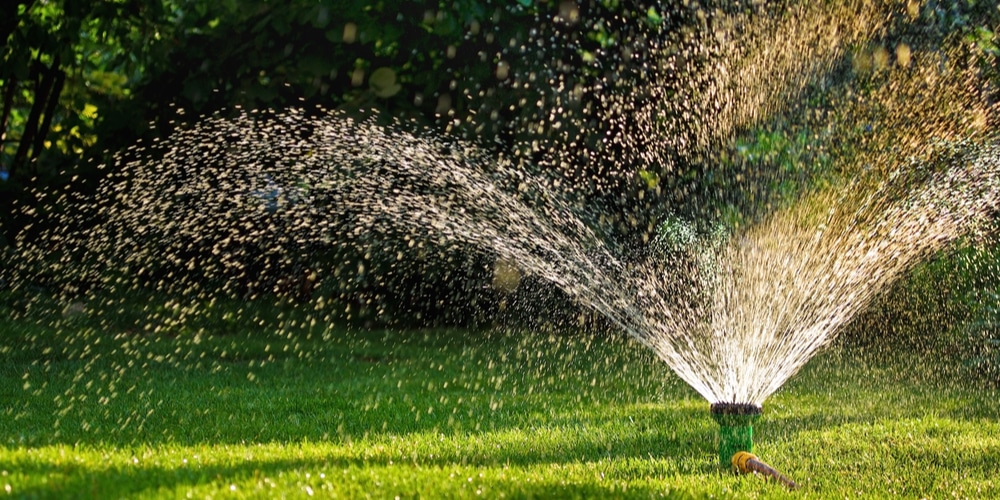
column 735, row 428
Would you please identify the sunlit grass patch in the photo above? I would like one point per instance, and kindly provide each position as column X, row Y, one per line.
column 307, row 411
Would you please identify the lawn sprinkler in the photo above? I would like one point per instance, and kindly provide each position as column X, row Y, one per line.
column 748, row 463
column 735, row 428
column 736, row 441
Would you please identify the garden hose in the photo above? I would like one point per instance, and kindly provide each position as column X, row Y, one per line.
column 747, row 463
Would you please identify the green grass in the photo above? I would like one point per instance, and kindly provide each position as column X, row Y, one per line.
column 268, row 408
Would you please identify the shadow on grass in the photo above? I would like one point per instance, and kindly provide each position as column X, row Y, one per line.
column 664, row 446
column 98, row 390
column 396, row 479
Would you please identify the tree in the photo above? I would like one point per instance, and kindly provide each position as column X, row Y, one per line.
column 62, row 60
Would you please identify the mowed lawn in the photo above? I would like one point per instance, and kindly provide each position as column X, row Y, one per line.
column 289, row 407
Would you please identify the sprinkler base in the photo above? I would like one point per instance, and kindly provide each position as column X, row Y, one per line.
column 735, row 428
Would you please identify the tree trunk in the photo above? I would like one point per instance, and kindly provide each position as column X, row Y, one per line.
column 9, row 88
column 8, row 25
column 50, row 109
column 32, row 128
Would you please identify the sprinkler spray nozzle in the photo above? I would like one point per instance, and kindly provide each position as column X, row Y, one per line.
column 747, row 463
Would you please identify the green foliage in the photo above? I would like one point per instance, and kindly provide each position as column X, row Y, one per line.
column 690, row 256
column 984, row 39
column 799, row 161
column 462, row 65
column 946, row 307
column 135, row 62
column 94, row 49
column 977, row 336
column 982, row 337
column 987, row 42
column 675, row 234
column 973, row 21
column 260, row 54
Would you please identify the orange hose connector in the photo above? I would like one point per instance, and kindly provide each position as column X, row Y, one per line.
column 747, row 463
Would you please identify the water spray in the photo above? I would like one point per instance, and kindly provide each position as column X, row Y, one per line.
column 747, row 463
